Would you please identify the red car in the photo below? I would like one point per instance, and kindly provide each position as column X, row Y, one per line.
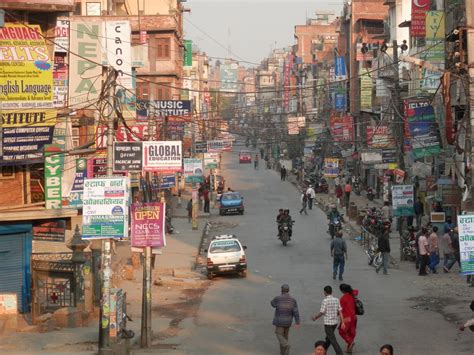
column 245, row 157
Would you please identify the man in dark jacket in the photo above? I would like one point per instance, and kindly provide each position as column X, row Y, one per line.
column 419, row 212
column 384, row 248
column 286, row 309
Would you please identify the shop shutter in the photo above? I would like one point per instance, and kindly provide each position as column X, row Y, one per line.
column 12, row 265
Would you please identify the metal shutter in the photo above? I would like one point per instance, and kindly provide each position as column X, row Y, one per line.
column 12, row 265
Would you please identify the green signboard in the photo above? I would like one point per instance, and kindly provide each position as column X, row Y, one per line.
column 53, row 163
column 188, row 53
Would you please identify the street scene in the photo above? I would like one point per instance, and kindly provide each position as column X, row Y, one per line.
column 236, row 177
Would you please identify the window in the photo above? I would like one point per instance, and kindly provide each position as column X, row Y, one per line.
column 7, row 172
column 75, row 137
column 93, row 9
column 163, row 48
column 143, row 90
column 163, row 92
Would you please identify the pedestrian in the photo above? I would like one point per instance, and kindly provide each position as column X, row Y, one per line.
column 331, row 310
column 255, row 162
column 311, row 196
column 304, row 202
column 387, row 211
column 339, row 194
column 455, row 242
column 433, row 245
column 189, row 208
column 448, row 251
column 320, row 348
column 386, row 349
column 262, row 152
column 470, row 323
column 339, row 255
column 200, row 196
column 347, row 301
column 205, row 195
column 448, row 225
column 286, row 308
column 283, row 173
column 337, row 181
column 423, row 248
column 347, row 190
column 417, row 238
column 419, row 212
column 383, row 240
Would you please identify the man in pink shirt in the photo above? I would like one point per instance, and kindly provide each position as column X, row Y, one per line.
column 423, row 248
column 434, row 250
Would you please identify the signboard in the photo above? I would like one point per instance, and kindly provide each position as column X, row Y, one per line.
column 466, row 243
column 389, row 155
column 26, row 78
column 148, row 225
column 165, row 108
column 163, row 156
column 163, row 182
column 52, row 231
column 219, row 146
column 293, row 128
column 61, row 36
column 8, row 304
column 74, row 199
column 53, row 163
column 188, row 53
column 193, row 171
column 134, row 133
column 201, row 147
column 379, row 137
column 85, row 39
column 128, row 156
column 229, row 77
column 60, row 80
column 340, row 68
column 402, row 200
column 105, row 208
column 418, row 17
column 211, row 160
column 119, row 51
column 341, row 127
column 340, row 99
column 366, row 92
column 331, row 167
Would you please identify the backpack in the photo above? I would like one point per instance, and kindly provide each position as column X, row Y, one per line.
column 359, row 307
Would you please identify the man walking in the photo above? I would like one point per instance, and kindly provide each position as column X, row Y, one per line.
column 311, row 195
column 434, row 250
column 286, row 309
column 338, row 251
column 384, row 248
column 205, row 196
column 283, row 173
column 419, row 212
column 331, row 310
column 423, row 248
column 347, row 190
column 304, row 202
column 448, row 251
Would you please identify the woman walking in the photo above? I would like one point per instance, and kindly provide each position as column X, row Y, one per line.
column 347, row 328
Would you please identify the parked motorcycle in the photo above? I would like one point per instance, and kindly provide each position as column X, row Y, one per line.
column 321, row 186
column 374, row 256
column 370, row 194
column 335, row 225
column 356, row 187
column 409, row 245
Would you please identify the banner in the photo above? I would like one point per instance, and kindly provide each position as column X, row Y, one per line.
column 418, row 17
column 341, row 127
column 53, row 163
column 211, row 160
column 449, row 127
column 85, row 76
column 188, row 53
column 26, row 76
column 331, row 167
column 74, row 200
column 119, row 51
column 402, row 200
column 148, row 225
column 193, row 171
column 366, row 92
column 51, row 231
column 128, row 156
column 163, row 156
column 466, row 243
column 379, row 137
column 340, row 68
column 219, row 146
column 105, row 208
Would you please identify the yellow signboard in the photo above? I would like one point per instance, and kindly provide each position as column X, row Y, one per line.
column 26, row 71
column 28, row 118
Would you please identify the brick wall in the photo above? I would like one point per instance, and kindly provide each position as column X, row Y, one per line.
column 11, row 190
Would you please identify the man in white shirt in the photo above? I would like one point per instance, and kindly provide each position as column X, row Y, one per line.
column 311, row 195
column 331, row 310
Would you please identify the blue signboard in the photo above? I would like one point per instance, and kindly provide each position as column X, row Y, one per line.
column 340, row 68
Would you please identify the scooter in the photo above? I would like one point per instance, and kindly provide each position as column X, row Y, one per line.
column 285, row 233
column 335, row 225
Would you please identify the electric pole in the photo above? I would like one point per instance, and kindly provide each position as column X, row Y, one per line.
column 470, row 78
column 398, row 111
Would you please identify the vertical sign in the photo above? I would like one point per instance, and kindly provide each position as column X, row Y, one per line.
column 418, row 17
column 466, row 243
column 148, row 225
column 366, row 92
column 402, row 200
column 119, row 51
column 188, row 53
column 52, row 176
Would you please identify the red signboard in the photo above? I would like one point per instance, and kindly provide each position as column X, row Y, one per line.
column 379, row 137
column 341, row 127
column 135, row 133
column 148, row 225
column 418, row 17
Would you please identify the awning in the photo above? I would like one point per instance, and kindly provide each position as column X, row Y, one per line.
column 35, row 214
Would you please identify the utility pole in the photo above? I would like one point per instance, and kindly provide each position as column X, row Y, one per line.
column 106, row 252
column 398, row 104
column 470, row 78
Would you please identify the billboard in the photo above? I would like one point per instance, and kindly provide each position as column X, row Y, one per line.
column 418, row 17
column 148, row 225
column 379, row 137
column 164, row 156
column 172, row 108
column 193, row 171
column 85, row 76
column 229, row 73
column 341, row 127
column 26, row 78
column 119, row 51
column 402, row 200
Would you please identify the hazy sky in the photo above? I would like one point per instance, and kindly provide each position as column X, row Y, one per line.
column 255, row 26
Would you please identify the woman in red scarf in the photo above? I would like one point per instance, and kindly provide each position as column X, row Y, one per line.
column 347, row 329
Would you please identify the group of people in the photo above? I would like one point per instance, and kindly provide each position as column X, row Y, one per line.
column 338, row 314
column 307, row 198
column 343, row 190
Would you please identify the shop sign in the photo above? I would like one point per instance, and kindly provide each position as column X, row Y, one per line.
column 201, row 147
column 466, row 243
column 53, row 162
column 293, row 128
column 134, row 133
column 61, row 36
column 128, row 156
column 341, row 127
column 419, row 8
column 51, row 231
column 148, row 225
column 366, row 92
column 86, row 41
column 402, row 200
column 172, row 108
column 340, row 68
column 331, row 167
column 193, row 170
column 211, row 160
column 119, row 51
column 188, row 53
column 389, row 155
column 74, row 200
column 105, row 208
column 26, row 79
column 379, row 137
column 163, row 156
column 219, row 146
column 163, row 181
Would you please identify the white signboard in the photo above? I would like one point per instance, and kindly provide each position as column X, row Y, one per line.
column 119, row 51
column 192, row 167
column 105, row 208
column 402, row 200
column 466, row 243
column 163, row 156
column 61, row 38
column 211, row 160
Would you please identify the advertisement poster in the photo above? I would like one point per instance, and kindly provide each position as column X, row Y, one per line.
column 211, row 160
column 219, row 146
column 53, row 162
column 163, row 156
column 466, row 243
column 193, row 170
column 119, row 51
column 366, row 92
column 331, row 167
column 128, row 156
column 148, row 225
column 402, row 200
column 105, row 208
column 341, row 127
column 379, row 137
column 74, row 200
column 26, row 78
column 419, row 8
column 51, row 231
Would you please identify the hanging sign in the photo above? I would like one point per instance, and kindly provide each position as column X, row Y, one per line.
column 148, row 225
column 466, row 243
column 53, row 163
column 402, row 200
column 193, row 170
column 128, row 156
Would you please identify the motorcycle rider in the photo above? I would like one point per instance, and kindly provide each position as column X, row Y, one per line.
column 285, row 218
column 279, row 216
column 332, row 215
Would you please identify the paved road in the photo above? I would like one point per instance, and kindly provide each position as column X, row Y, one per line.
column 235, row 315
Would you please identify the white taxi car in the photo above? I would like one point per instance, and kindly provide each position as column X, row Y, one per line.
column 226, row 255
